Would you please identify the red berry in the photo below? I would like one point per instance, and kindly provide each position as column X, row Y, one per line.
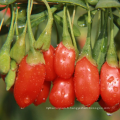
column 28, row 83
column 110, row 84
column 49, row 61
column 43, row 93
column 62, row 94
column 64, row 61
column 107, row 108
column 86, row 82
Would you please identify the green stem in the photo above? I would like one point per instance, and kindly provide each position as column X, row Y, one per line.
column 5, row 50
column 50, row 17
column 111, row 55
column 73, row 15
column 44, row 40
column 86, row 51
column 32, row 39
column 11, row 32
column 67, row 42
column 16, row 28
column 102, row 23
column 34, row 56
column 65, row 27
column 72, row 34
column 98, row 26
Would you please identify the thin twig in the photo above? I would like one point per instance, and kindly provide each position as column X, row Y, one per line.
column 73, row 15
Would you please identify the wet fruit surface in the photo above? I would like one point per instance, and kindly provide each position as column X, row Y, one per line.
column 86, row 82
column 64, row 61
column 44, row 92
column 107, row 108
column 28, row 83
column 110, row 84
column 49, row 61
column 62, row 94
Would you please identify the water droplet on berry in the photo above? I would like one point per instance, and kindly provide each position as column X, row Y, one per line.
column 87, row 105
column 102, row 88
column 114, row 95
column 43, row 98
column 110, row 79
column 115, row 89
column 109, row 114
column 26, row 100
column 21, row 108
column 82, row 98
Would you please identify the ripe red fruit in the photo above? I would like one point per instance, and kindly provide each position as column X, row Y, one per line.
column 62, row 94
column 28, row 83
column 86, row 82
column 43, row 93
column 64, row 61
column 107, row 108
column 110, row 84
column 49, row 61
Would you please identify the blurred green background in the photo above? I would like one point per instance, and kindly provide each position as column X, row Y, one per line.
column 9, row 110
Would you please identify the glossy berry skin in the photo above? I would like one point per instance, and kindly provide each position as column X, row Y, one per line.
column 49, row 61
column 28, row 83
column 62, row 93
column 86, row 82
column 107, row 108
column 110, row 84
column 64, row 61
column 43, row 93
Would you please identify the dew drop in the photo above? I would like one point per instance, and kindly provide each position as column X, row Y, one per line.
column 109, row 114
column 102, row 88
column 63, row 93
column 110, row 79
column 43, row 98
column 115, row 89
column 26, row 100
column 82, row 98
column 114, row 95
column 110, row 98
column 21, row 108
column 87, row 105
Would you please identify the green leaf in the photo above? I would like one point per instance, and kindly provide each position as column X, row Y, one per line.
column 82, row 20
column 100, row 47
column 116, row 20
column 107, row 4
column 100, row 50
column 76, row 2
column 6, row 2
column 59, row 20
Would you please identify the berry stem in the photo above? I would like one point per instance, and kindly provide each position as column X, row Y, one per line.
column 34, row 56
column 72, row 34
column 66, row 39
column 44, row 40
column 32, row 39
column 16, row 28
column 86, row 51
column 111, row 54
